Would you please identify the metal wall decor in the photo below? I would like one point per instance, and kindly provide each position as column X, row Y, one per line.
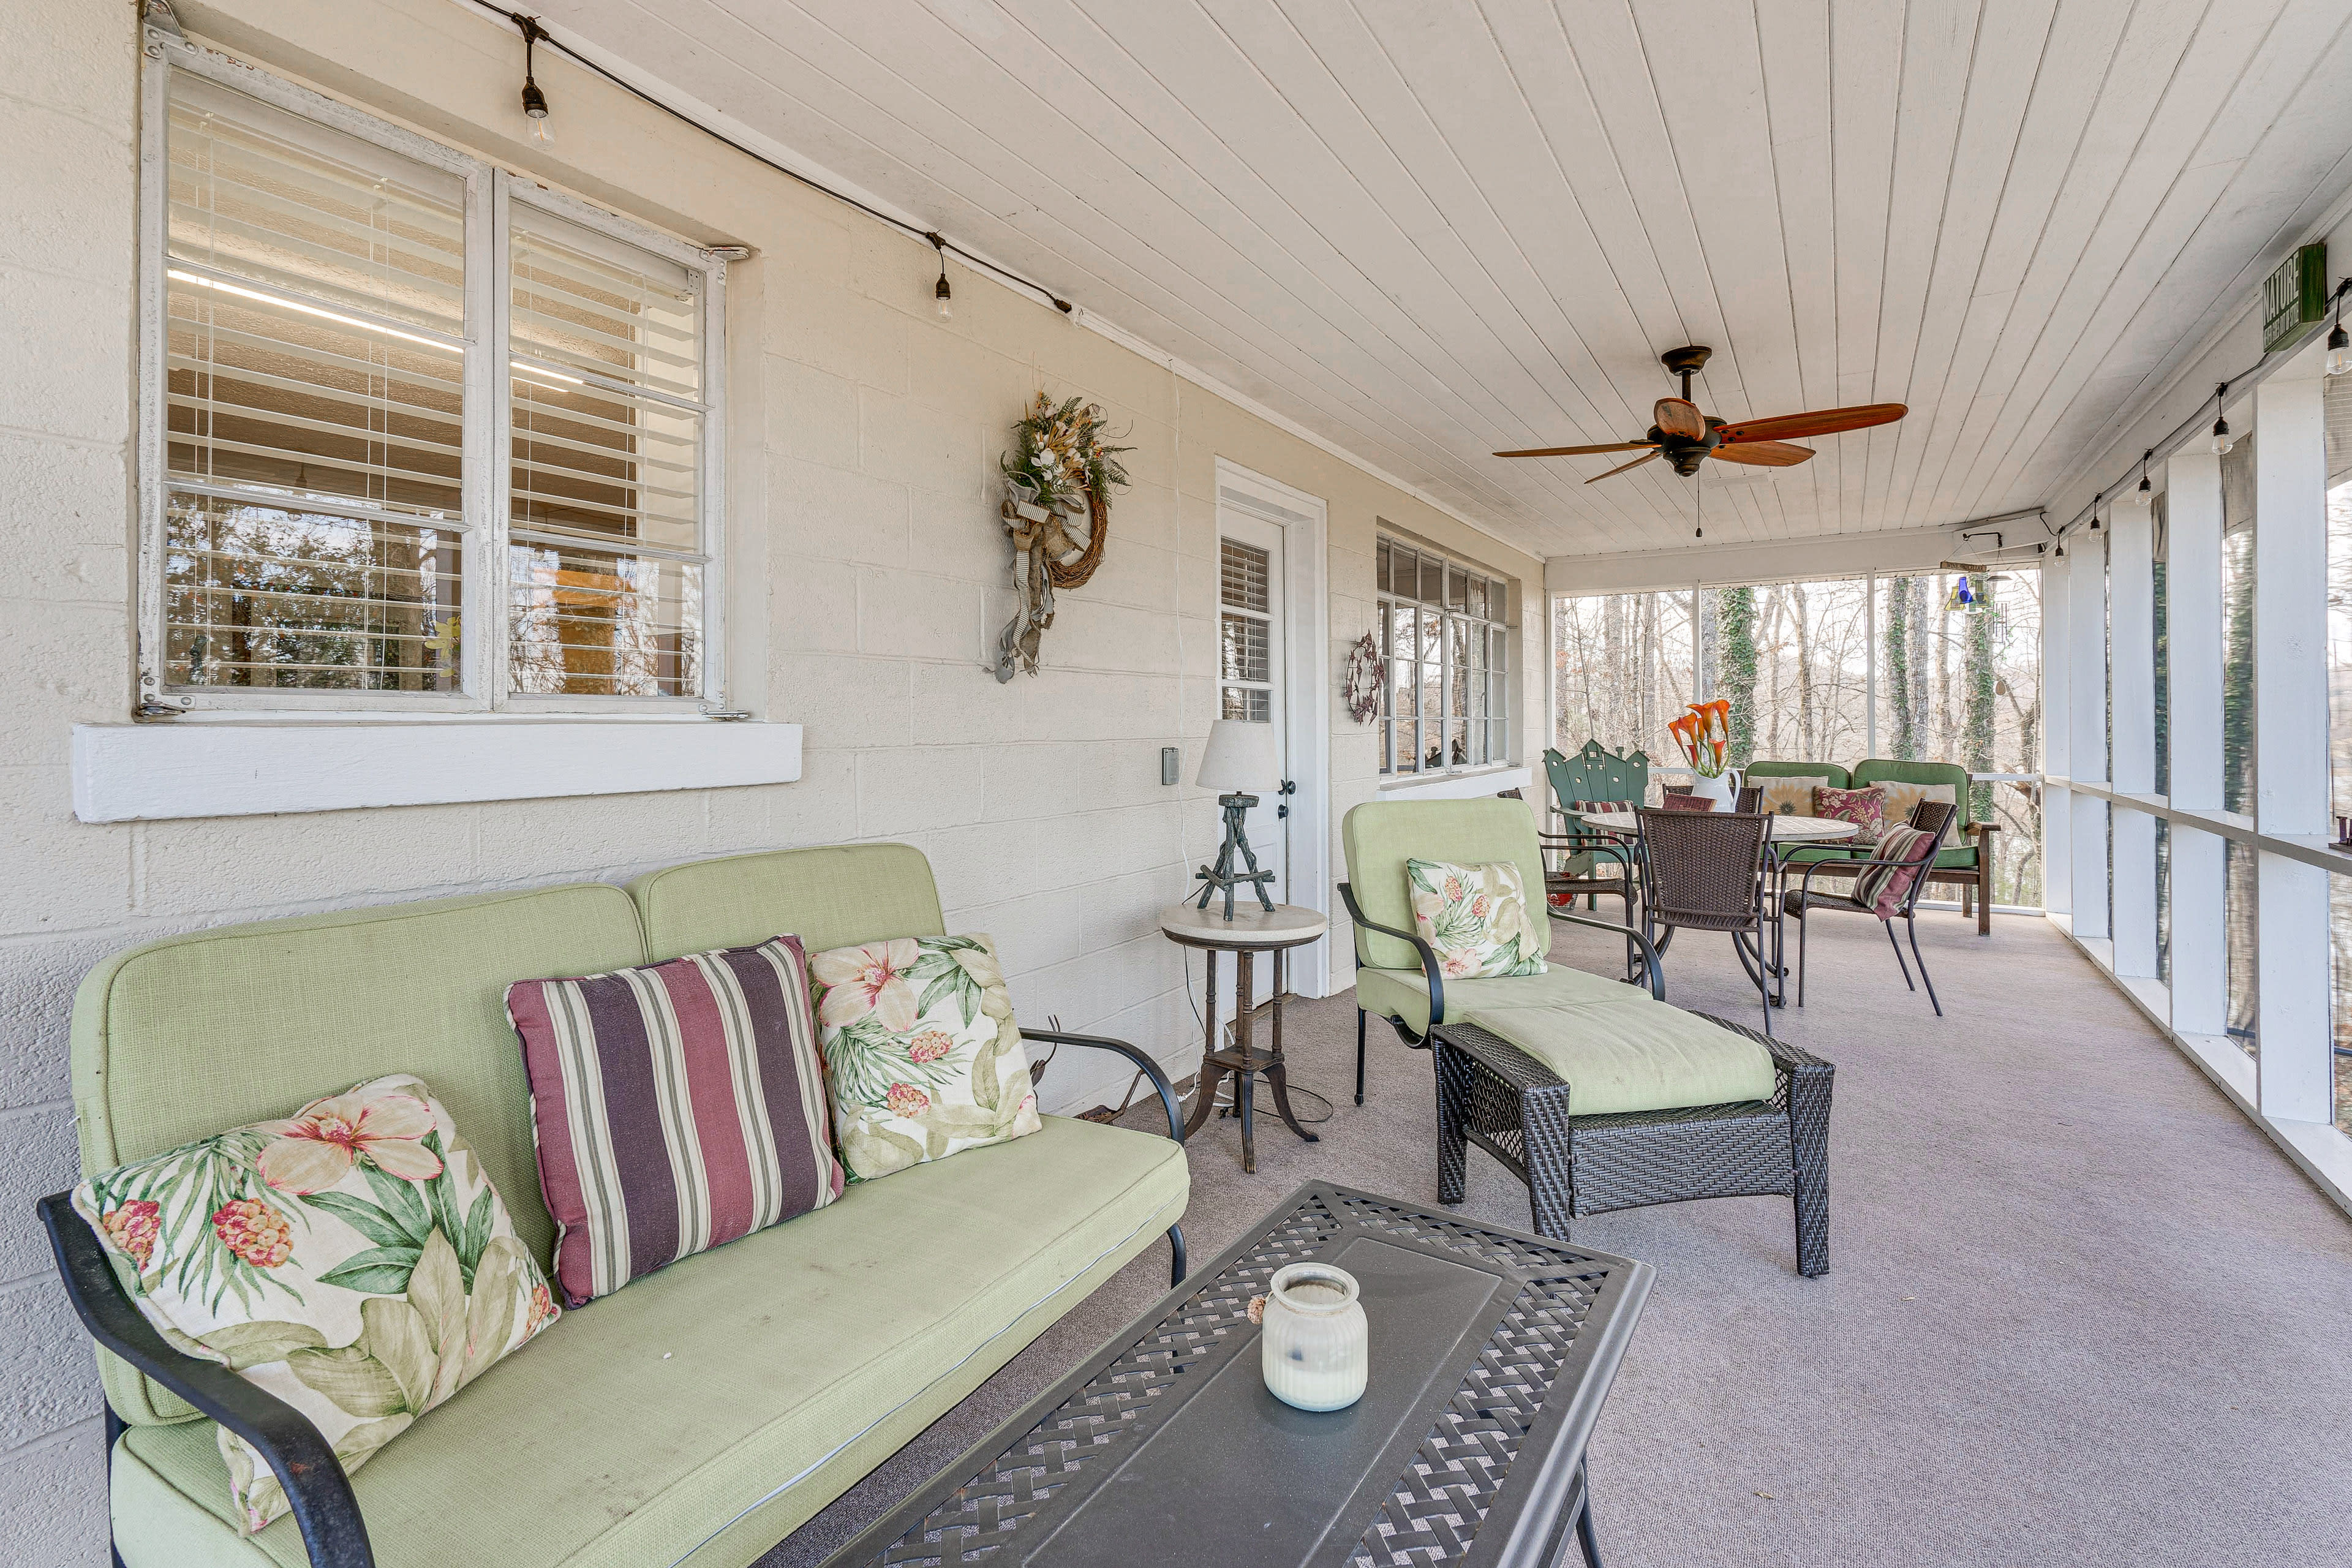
column 1057, row 485
column 1368, row 673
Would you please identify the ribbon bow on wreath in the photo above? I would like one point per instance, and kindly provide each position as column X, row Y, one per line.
column 1058, row 483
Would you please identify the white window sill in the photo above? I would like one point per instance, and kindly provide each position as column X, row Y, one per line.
column 148, row 772
column 1466, row 784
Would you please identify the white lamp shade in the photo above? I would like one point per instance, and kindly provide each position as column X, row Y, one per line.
column 1240, row 758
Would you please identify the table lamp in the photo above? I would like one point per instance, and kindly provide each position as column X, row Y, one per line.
column 1241, row 757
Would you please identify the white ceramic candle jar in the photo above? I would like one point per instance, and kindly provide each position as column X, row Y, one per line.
column 1312, row 1346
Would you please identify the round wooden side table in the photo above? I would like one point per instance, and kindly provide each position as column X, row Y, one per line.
column 1250, row 932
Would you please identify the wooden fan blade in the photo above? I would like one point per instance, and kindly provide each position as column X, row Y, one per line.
column 1644, row 457
column 1580, row 451
column 1770, row 454
column 1677, row 417
column 1820, row 422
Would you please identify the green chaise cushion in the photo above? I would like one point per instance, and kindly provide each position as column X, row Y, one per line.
column 753, row 1384
column 1381, row 836
column 1634, row 1053
column 1830, row 771
column 1403, row 994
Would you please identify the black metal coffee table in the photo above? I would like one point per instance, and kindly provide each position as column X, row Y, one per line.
column 1491, row 1351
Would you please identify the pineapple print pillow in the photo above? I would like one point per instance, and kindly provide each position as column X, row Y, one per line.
column 353, row 1260
column 922, row 1059
column 1477, row 917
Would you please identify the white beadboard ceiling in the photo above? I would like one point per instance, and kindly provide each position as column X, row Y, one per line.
column 1429, row 228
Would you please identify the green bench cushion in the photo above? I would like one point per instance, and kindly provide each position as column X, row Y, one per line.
column 1403, row 994
column 1632, row 1053
column 753, row 1384
column 831, row 897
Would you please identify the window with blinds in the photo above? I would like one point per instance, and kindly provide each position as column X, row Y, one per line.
column 314, row 365
column 1440, row 627
column 324, row 528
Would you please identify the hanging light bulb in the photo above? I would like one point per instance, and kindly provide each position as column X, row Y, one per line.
column 2339, row 351
column 534, row 102
column 2221, row 442
column 2146, row 494
column 941, row 294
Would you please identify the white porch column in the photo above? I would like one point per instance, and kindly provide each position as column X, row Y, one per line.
column 2291, row 781
column 2057, row 742
column 2087, row 705
column 2192, row 596
column 2131, row 654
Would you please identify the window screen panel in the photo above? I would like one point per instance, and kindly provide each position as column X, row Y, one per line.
column 313, row 445
column 586, row 302
column 259, row 596
column 1242, row 576
column 604, row 480
column 601, row 623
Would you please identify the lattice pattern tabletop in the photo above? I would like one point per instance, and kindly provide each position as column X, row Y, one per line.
column 1499, row 1444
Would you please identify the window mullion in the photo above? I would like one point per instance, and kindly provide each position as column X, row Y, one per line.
column 490, row 438
column 154, row 209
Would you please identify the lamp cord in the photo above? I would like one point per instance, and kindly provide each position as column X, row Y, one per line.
column 534, row 31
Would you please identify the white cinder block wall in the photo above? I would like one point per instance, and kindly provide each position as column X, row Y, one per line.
column 868, row 579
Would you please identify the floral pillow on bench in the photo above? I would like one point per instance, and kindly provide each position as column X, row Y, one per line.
column 921, row 1055
column 352, row 1259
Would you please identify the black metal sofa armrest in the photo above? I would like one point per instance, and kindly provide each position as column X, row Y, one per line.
column 1429, row 967
column 1104, row 1043
column 1650, row 963
column 317, row 1489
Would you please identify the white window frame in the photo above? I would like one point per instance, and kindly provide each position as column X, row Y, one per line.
column 490, row 193
column 1497, row 717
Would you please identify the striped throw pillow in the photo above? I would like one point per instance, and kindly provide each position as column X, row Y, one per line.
column 1880, row 887
column 677, row 1108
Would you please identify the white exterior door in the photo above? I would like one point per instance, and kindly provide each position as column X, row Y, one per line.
column 1251, row 670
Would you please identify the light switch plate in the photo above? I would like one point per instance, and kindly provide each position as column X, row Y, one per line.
column 1168, row 765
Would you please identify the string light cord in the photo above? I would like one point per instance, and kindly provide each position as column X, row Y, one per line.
column 535, row 33
column 2180, row 432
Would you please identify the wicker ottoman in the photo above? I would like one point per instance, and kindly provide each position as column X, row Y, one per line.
column 1493, row 1094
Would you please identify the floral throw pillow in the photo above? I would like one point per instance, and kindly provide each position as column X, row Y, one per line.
column 1902, row 798
column 1476, row 917
column 1865, row 808
column 353, row 1260
column 1792, row 796
column 922, row 1059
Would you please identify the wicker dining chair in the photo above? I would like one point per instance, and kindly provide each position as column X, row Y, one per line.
column 1931, row 821
column 1705, row 870
column 1752, row 800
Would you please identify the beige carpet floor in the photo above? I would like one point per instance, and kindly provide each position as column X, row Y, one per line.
column 2080, row 1311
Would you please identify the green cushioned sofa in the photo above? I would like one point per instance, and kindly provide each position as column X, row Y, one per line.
column 1967, row 864
column 697, row 1417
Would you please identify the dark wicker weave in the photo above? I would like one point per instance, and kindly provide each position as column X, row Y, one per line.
column 1496, row 1475
column 1933, row 817
column 1705, row 870
column 1491, row 1093
column 1751, row 799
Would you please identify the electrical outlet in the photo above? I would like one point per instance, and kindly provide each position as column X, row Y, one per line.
column 1168, row 766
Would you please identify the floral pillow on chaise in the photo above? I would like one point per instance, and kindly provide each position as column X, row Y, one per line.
column 1476, row 917
column 922, row 1059
column 353, row 1260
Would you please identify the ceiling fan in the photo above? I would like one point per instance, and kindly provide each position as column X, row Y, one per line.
column 1684, row 438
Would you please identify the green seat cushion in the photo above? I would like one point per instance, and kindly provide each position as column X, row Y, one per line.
column 1403, row 994
column 829, row 897
column 1964, row 857
column 707, row 1410
column 1381, row 836
column 1632, row 1053
column 181, row 1039
column 1819, row 852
